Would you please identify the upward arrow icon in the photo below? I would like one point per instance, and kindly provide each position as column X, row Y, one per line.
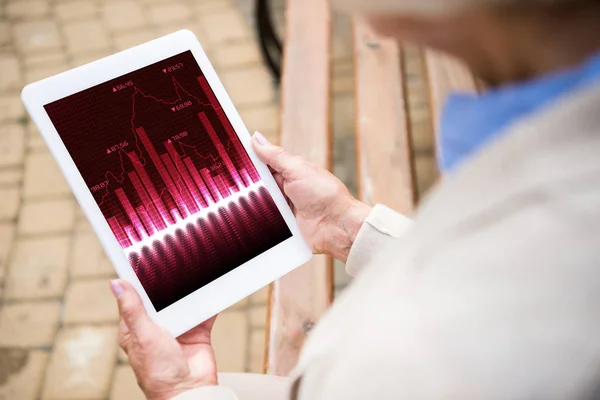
column 165, row 71
column 114, row 89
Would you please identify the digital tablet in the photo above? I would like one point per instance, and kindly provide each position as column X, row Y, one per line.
column 162, row 166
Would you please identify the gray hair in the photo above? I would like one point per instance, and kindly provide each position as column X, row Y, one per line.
column 423, row 6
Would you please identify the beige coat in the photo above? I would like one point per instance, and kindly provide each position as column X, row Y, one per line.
column 492, row 293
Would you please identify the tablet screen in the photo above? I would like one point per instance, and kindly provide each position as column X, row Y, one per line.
column 170, row 176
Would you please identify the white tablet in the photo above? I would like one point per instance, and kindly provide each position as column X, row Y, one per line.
column 162, row 166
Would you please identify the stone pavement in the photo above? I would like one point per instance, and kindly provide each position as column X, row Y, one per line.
column 58, row 321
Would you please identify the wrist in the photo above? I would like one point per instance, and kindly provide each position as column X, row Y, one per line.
column 345, row 225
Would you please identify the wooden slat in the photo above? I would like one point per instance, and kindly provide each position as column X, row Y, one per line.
column 446, row 75
column 299, row 299
column 383, row 144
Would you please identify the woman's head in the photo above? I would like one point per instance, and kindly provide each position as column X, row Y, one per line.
column 501, row 40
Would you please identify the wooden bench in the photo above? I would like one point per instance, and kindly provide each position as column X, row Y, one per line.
column 399, row 92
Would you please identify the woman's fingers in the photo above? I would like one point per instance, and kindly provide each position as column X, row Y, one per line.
column 133, row 314
column 277, row 158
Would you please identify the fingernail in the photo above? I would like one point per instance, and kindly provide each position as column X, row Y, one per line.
column 260, row 138
column 116, row 288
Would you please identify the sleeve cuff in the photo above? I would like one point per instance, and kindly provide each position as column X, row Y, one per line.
column 380, row 228
column 207, row 393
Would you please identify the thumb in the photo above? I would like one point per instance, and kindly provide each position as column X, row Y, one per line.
column 131, row 307
column 276, row 157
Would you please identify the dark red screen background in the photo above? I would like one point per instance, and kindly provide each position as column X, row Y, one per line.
column 170, row 176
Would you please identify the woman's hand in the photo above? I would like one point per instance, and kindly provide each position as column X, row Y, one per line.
column 164, row 366
column 327, row 214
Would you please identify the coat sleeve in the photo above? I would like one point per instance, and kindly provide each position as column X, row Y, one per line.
column 208, row 393
column 242, row 386
column 381, row 227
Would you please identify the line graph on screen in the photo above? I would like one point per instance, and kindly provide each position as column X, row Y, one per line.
column 180, row 193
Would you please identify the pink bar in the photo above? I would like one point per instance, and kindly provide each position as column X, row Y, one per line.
column 222, row 187
column 131, row 234
column 211, row 185
column 246, row 177
column 133, row 217
column 143, row 214
column 185, row 174
column 198, row 180
column 244, row 159
column 234, row 189
column 176, row 215
column 166, row 217
column 222, row 152
column 150, row 206
column 187, row 197
column 118, row 232
column 161, row 170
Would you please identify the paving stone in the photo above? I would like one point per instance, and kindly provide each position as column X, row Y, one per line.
column 226, row 25
column 34, row 36
column 88, row 258
column 193, row 26
column 10, row 79
column 12, row 144
column 83, row 225
column 39, row 60
column 426, row 172
column 22, row 373
column 38, row 73
column 85, row 58
column 208, row 6
column 43, row 177
column 257, row 351
column 252, row 85
column 126, row 40
column 81, row 364
column 125, row 386
column 343, row 116
column 9, row 202
column 68, row 10
column 164, row 13
column 343, row 83
column 422, row 136
column 47, row 216
column 123, row 15
column 262, row 118
column 7, row 236
column 237, row 54
column 29, row 324
column 35, row 141
column 86, row 36
column 122, row 357
column 260, row 297
column 5, row 36
column 258, row 316
column 38, row 268
column 240, row 304
column 229, row 338
column 11, row 177
column 90, row 302
column 26, row 9
column 12, row 108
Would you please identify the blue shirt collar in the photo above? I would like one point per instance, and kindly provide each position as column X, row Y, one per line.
column 469, row 121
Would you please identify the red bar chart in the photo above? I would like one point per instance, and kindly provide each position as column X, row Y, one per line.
column 168, row 171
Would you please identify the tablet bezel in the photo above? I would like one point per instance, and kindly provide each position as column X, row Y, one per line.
column 232, row 287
